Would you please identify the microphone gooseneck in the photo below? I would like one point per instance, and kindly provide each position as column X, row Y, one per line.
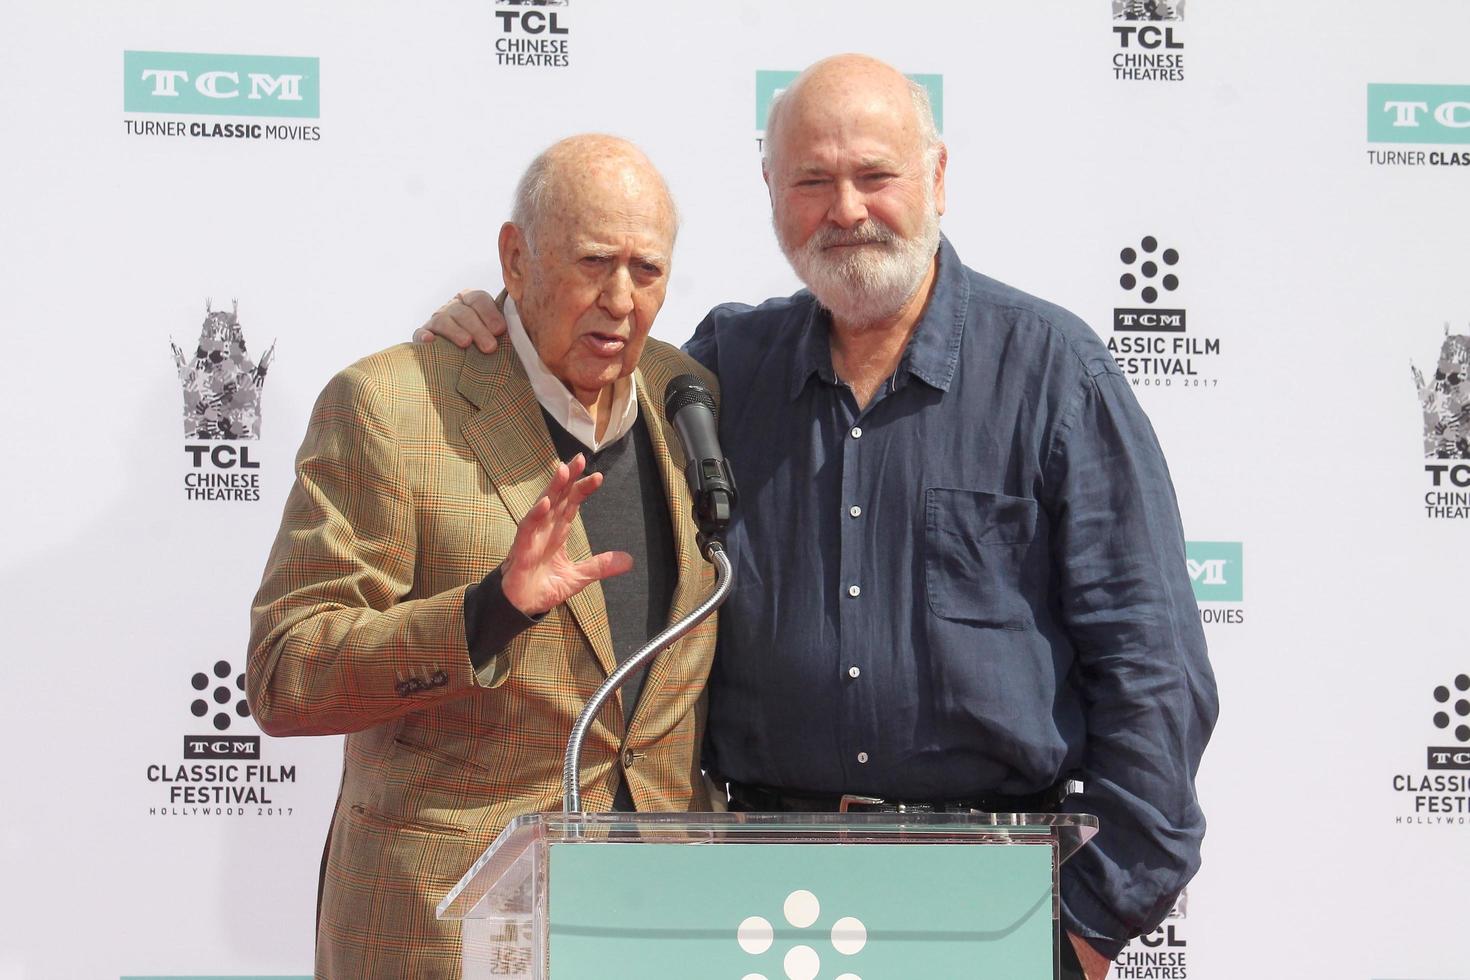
column 572, row 762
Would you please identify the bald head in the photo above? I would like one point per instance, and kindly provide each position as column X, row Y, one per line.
column 590, row 168
column 586, row 259
column 856, row 175
column 848, row 87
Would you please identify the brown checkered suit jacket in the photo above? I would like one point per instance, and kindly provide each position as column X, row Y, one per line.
column 417, row 464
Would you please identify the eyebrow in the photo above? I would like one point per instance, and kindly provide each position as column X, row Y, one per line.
column 608, row 251
column 867, row 163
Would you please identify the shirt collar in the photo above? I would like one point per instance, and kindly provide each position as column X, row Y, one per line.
column 933, row 350
column 569, row 413
column 813, row 354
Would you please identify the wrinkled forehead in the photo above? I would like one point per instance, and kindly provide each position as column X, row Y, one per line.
column 872, row 124
column 610, row 208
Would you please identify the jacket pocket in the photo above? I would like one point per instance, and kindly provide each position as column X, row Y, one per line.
column 362, row 813
column 975, row 545
column 436, row 757
column 428, row 788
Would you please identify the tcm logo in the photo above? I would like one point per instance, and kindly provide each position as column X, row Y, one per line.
column 1149, row 272
column 235, row 747
column 1419, row 113
column 769, row 84
column 1452, row 715
column 1154, row 321
column 1449, row 758
column 1215, row 570
column 220, row 84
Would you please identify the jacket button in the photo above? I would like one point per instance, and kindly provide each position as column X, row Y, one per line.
column 628, row 758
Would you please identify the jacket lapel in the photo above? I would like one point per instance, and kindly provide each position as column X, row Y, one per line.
column 510, row 441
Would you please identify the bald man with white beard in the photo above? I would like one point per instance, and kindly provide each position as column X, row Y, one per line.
column 960, row 569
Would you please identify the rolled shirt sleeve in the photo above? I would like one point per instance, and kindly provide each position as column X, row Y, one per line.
column 1149, row 694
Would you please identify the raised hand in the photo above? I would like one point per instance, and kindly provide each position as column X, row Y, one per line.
column 537, row 574
column 470, row 318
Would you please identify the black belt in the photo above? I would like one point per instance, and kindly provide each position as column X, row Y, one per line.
column 766, row 799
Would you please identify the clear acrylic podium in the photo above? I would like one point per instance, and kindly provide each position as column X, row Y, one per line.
column 767, row 896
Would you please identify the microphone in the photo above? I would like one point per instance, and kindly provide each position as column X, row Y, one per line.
column 690, row 409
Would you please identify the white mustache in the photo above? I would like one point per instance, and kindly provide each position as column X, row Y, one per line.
column 869, row 233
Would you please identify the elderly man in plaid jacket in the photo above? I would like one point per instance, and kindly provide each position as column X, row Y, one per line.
column 447, row 590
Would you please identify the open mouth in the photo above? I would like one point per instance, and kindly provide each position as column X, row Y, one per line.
column 605, row 344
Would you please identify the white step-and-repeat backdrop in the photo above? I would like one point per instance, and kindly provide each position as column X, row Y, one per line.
column 1261, row 206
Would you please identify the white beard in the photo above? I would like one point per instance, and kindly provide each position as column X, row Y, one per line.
column 868, row 285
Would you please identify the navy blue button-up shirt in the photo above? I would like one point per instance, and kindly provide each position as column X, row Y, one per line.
column 975, row 584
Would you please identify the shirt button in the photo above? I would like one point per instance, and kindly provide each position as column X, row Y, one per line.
column 863, row 757
column 853, row 671
column 854, row 591
column 857, row 432
column 855, row 510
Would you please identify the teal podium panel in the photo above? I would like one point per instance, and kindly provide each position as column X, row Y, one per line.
column 757, row 896
column 670, row 912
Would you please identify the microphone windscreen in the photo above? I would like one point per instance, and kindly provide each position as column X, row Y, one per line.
column 686, row 390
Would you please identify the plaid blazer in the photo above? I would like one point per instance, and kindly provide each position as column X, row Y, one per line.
column 416, row 467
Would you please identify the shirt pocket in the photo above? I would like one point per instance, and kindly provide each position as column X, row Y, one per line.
column 975, row 545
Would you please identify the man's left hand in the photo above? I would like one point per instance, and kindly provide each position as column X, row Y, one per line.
column 1094, row 964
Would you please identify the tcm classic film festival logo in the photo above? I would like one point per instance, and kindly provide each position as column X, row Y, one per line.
column 265, row 97
column 1151, row 340
column 1150, row 40
column 532, row 33
column 221, row 386
column 1217, row 575
column 1439, row 794
column 1444, row 397
column 769, row 84
column 1427, row 118
column 219, row 770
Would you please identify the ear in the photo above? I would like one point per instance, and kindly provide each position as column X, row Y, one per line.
column 939, row 166
column 515, row 260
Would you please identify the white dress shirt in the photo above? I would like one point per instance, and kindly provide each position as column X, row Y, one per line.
column 558, row 400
